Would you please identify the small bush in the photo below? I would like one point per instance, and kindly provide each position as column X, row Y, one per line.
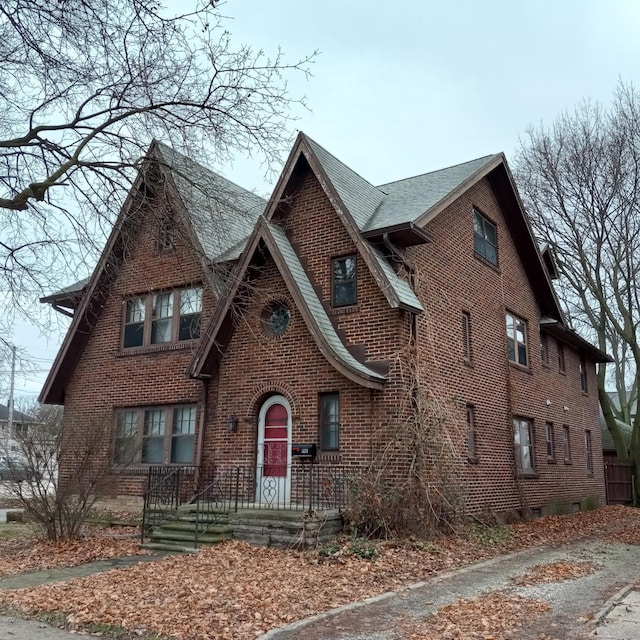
column 354, row 546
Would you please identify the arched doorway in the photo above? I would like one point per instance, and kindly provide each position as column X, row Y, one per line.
column 273, row 468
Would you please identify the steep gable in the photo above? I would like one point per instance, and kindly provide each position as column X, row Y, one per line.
column 324, row 334
column 198, row 209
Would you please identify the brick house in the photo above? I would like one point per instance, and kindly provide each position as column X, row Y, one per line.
column 219, row 330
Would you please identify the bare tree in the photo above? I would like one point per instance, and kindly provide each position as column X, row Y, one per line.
column 580, row 180
column 58, row 503
column 84, row 88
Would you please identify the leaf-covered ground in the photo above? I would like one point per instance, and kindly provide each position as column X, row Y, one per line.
column 27, row 553
column 235, row 591
column 554, row 572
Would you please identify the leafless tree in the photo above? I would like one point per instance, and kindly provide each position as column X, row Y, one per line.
column 57, row 503
column 580, row 180
column 85, row 87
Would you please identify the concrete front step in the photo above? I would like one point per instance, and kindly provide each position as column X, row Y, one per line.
column 162, row 535
column 173, row 548
column 189, row 527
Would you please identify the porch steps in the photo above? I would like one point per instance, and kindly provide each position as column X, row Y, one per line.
column 178, row 531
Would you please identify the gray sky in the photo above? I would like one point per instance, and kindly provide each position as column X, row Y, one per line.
column 402, row 88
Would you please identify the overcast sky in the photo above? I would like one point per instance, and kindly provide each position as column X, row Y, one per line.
column 401, row 88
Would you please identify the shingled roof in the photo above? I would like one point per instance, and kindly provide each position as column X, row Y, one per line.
column 222, row 213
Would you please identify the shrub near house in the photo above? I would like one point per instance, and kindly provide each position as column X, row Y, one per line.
column 221, row 330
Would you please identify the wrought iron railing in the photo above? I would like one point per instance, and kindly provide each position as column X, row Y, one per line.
column 295, row 487
column 226, row 489
column 167, row 489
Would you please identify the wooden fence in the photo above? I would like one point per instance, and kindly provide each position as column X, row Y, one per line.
column 619, row 482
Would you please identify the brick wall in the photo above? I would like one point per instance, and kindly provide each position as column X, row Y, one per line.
column 452, row 280
column 107, row 378
column 449, row 280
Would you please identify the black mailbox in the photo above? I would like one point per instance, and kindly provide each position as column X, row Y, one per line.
column 303, row 450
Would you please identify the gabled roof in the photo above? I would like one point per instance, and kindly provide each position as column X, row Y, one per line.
column 203, row 209
column 306, row 300
column 221, row 213
column 626, row 430
column 570, row 337
column 409, row 199
column 18, row 416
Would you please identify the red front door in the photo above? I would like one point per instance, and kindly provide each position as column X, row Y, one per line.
column 276, row 441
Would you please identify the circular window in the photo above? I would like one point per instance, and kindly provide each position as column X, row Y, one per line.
column 275, row 318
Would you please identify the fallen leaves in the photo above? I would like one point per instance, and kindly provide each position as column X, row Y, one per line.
column 488, row 617
column 21, row 556
column 235, row 591
column 554, row 572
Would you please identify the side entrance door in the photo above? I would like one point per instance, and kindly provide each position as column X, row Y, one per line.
column 273, row 468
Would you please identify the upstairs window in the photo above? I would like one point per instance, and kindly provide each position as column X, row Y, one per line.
column 544, row 350
column 167, row 233
column 343, row 281
column 561, row 363
column 329, row 421
column 566, row 443
column 584, row 375
column 516, row 339
column 162, row 318
column 485, row 238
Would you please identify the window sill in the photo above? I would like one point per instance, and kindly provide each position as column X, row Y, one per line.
column 473, row 460
column 469, row 363
column 350, row 308
column 566, row 461
column 157, row 348
column 552, row 461
column 585, row 393
column 520, row 367
column 142, row 469
column 528, row 475
column 487, row 262
column 329, row 456
column 546, row 365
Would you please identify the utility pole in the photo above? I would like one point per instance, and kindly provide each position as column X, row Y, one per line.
column 11, row 387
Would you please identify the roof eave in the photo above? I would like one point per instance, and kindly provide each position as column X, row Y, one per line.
column 570, row 337
column 406, row 234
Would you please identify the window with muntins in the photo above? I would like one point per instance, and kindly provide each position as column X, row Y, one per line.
column 523, row 441
column 584, row 385
column 561, row 363
column 329, row 421
column 588, row 451
column 551, row 449
column 155, row 435
column 544, row 350
column 485, row 238
column 343, row 281
column 516, row 339
column 566, row 443
column 162, row 318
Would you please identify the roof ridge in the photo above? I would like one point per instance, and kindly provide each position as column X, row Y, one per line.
column 426, row 173
column 189, row 159
column 344, row 164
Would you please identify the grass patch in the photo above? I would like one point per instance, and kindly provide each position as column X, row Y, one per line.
column 490, row 535
column 16, row 531
column 59, row 620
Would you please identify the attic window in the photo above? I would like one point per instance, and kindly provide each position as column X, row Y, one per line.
column 485, row 238
column 167, row 233
column 343, row 281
